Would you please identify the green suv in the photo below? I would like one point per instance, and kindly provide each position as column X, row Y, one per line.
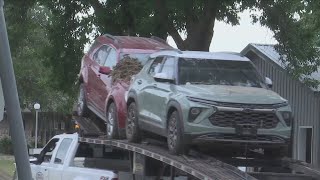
column 200, row 97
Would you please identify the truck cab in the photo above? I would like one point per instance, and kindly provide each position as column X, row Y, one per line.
column 64, row 157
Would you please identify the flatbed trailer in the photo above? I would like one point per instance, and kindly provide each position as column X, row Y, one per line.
column 147, row 157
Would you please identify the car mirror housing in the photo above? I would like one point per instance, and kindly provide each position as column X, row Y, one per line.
column 105, row 70
column 163, row 77
column 268, row 82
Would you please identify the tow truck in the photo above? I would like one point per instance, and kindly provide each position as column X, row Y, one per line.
column 152, row 160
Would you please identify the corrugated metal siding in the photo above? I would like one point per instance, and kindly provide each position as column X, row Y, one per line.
column 304, row 103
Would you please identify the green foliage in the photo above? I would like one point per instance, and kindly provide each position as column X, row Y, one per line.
column 296, row 27
column 6, row 146
column 28, row 39
column 67, row 25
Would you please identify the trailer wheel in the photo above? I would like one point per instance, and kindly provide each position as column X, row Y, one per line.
column 175, row 137
column 112, row 122
column 132, row 126
column 82, row 109
column 278, row 152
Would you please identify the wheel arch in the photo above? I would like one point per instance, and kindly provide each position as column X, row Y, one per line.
column 172, row 106
column 132, row 97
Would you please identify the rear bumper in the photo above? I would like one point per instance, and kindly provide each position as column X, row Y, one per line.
column 261, row 141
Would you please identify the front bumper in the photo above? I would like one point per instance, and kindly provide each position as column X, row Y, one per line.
column 260, row 141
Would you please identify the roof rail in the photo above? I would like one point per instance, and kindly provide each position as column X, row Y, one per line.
column 230, row 52
column 159, row 39
column 176, row 50
column 112, row 37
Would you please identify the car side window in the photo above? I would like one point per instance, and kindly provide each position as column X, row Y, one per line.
column 168, row 67
column 101, row 55
column 111, row 59
column 155, row 66
column 62, row 151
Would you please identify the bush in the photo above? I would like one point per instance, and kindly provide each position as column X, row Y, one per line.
column 31, row 144
column 6, row 146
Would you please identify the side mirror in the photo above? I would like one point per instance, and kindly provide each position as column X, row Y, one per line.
column 268, row 82
column 34, row 159
column 104, row 70
column 163, row 77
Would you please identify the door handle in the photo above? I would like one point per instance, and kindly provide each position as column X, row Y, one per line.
column 45, row 169
column 139, row 81
column 155, row 85
column 99, row 75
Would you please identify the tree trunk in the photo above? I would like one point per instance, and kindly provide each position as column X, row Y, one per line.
column 199, row 30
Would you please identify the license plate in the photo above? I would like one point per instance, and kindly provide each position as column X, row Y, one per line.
column 246, row 129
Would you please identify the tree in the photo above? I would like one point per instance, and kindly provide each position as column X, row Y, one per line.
column 73, row 21
column 296, row 27
column 28, row 40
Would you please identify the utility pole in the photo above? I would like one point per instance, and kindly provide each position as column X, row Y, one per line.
column 12, row 103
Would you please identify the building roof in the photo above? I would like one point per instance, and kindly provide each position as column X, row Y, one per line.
column 268, row 51
column 202, row 55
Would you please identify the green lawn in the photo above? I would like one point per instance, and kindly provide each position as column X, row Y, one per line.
column 7, row 166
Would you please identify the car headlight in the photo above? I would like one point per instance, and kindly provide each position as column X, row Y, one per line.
column 194, row 113
column 287, row 117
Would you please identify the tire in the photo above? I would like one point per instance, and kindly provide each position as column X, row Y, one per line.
column 82, row 109
column 112, row 122
column 278, row 152
column 175, row 135
column 132, row 126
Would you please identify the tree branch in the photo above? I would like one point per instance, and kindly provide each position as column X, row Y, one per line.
column 176, row 36
column 164, row 20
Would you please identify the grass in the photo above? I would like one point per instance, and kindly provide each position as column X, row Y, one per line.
column 7, row 166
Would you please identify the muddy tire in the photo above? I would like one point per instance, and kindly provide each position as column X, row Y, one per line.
column 132, row 126
column 82, row 109
column 278, row 152
column 175, row 135
column 112, row 122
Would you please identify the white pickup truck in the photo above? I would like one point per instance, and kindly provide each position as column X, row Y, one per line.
column 65, row 158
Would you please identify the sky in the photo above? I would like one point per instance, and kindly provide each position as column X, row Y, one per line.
column 235, row 38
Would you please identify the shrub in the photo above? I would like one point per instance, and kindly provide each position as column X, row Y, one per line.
column 6, row 146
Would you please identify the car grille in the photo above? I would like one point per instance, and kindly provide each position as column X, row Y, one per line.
column 264, row 120
column 251, row 106
column 236, row 105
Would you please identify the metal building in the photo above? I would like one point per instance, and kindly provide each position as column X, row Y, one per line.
column 305, row 101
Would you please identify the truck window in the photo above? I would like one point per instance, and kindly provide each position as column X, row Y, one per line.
column 101, row 157
column 62, row 151
column 46, row 153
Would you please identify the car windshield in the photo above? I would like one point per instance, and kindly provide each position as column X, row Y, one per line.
column 218, row 72
column 142, row 57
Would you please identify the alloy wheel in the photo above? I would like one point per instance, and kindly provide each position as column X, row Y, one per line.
column 81, row 102
column 173, row 133
column 110, row 123
column 131, row 123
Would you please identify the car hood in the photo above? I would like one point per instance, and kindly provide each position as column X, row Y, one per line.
column 233, row 94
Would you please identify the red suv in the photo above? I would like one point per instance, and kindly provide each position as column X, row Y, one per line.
column 97, row 92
